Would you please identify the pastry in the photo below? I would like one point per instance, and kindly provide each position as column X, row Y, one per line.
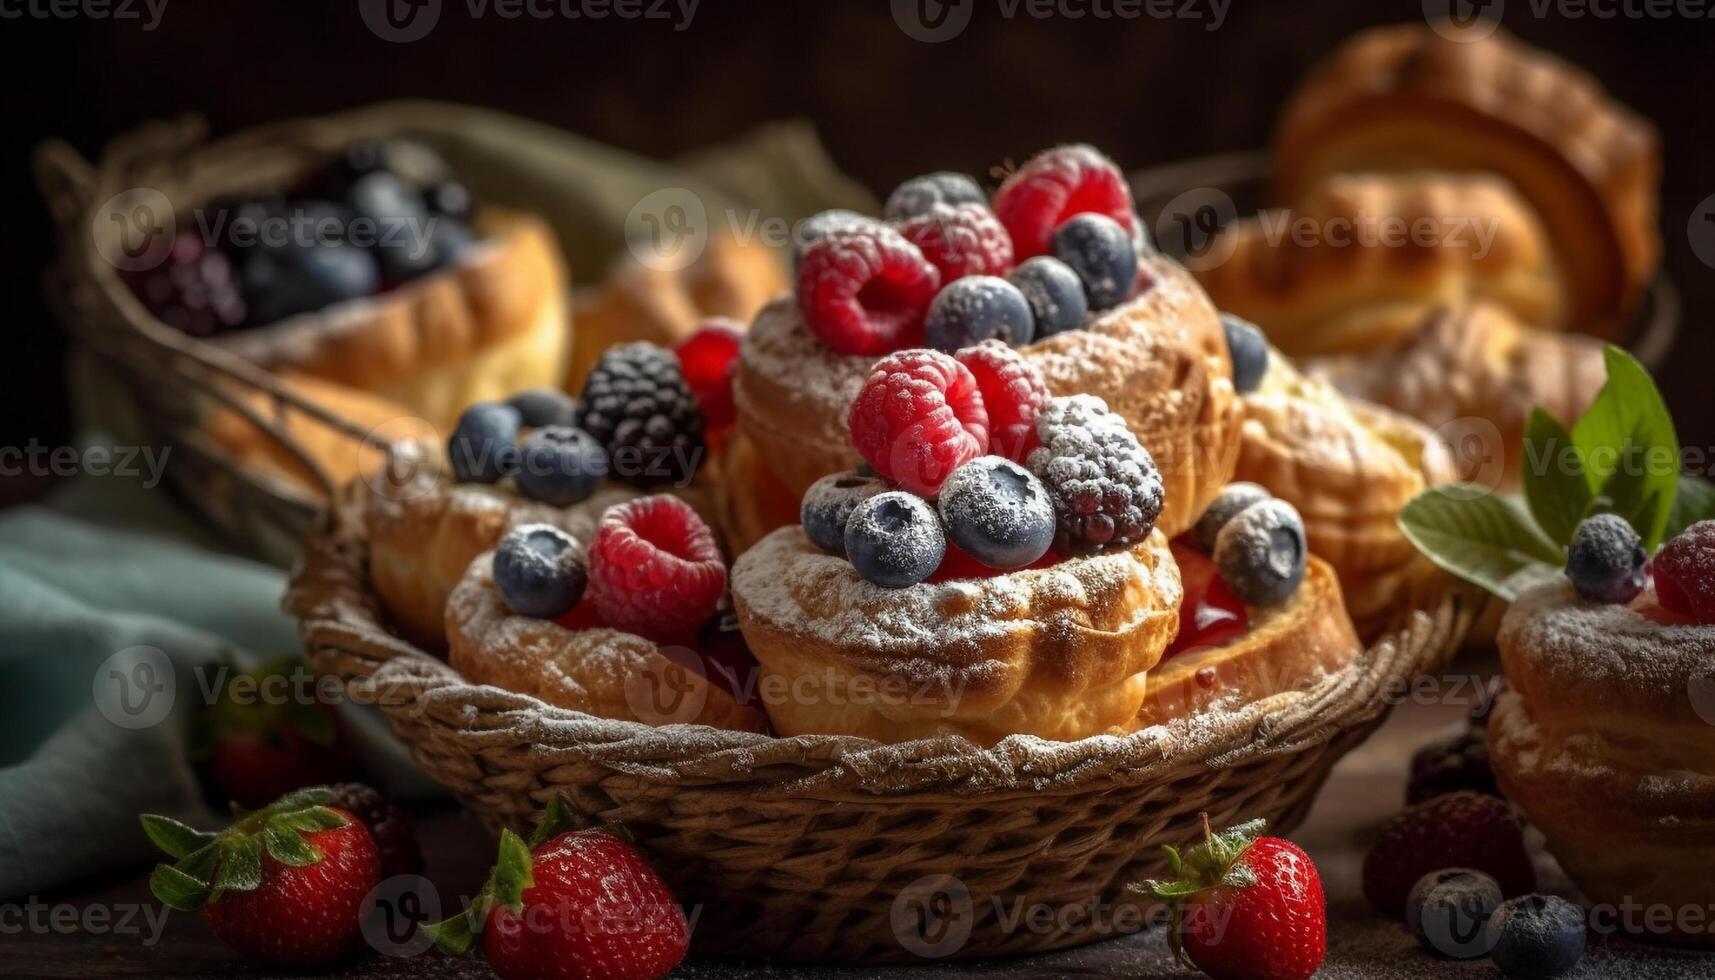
column 1474, row 373
column 571, row 633
column 1348, row 467
column 1129, row 326
column 1412, row 98
column 1359, row 259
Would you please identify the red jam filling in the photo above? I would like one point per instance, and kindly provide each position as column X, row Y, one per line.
column 1210, row 615
column 957, row 566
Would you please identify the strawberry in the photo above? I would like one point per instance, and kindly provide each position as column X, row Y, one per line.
column 1463, row 829
column 574, row 904
column 285, row 884
column 1247, row 907
column 265, row 735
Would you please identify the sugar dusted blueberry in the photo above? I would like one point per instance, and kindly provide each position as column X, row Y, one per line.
column 997, row 512
column 1537, row 936
column 920, row 195
column 1103, row 255
column 1248, row 350
column 1606, row 560
column 978, row 308
column 1233, row 498
column 560, row 465
column 1054, row 292
column 539, row 570
column 1262, row 553
column 484, row 444
column 894, row 539
column 829, row 502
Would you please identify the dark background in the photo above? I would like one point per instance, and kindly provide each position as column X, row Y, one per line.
column 1148, row 91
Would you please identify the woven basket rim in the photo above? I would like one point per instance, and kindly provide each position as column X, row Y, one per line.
column 346, row 634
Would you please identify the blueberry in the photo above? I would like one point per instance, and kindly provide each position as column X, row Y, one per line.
column 1054, row 292
column 399, row 225
column 829, row 502
column 449, row 239
column 1448, row 911
column 1233, row 498
column 894, row 539
column 284, row 281
column 1103, row 255
column 1606, row 559
column 1248, row 349
column 824, row 223
column 484, row 444
column 920, row 195
column 1261, row 553
column 971, row 310
column 997, row 512
column 544, row 406
column 560, row 465
column 539, row 571
column 448, row 199
column 1537, row 936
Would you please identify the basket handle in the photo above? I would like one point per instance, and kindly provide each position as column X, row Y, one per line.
column 66, row 180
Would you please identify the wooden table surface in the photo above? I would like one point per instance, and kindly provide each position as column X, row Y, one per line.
column 1364, row 790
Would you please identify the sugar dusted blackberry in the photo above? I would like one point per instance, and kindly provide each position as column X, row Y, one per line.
column 637, row 405
column 1105, row 486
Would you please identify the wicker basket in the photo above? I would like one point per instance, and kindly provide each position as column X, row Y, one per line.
column 823, row 848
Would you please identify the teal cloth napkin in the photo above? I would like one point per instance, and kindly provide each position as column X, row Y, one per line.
column 116, row 614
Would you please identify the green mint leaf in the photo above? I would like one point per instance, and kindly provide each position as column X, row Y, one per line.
column 177, row 890
column 177, row 839
column 1480, row 537
column 1555, row 484
column 287, row 846
column 1629, row 448
column 240, row 867
column 1694, row 501
column 512, row 871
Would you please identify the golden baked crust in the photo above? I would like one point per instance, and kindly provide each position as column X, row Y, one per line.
column 751, row 499
column 1288, row 648
column 1475, row 373
column 1058, row 652
column 1159, row 360
column 1361, row 258
column 1408, row 98
column 602, row 672
column 490, row 325
column 1605, row 741
column 1348, row 468
column 636, row 302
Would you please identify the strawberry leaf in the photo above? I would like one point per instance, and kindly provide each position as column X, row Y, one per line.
column 511, row 872
column 177, row 839
column 288, row 847
column 310, row 819
column 201, row 863
column 177, row 890
column 558, row 818
column 240, row 866
column 306, row 797
column 453, row 936
column 1555, row 485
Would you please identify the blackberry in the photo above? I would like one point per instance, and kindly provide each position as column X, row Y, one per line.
column 1452, row 763
column 636, row 404
column 394, row 838
column 195, row 289
column 1105, row 486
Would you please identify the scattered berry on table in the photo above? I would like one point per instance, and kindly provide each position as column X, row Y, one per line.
column 1537, row 936
column 636, row 403
column 974, row 309
column 1054, row 292
column 253, row 750
column 1262, row 552
column 997, row 512
column 395, row 839
column 194, row 289
column 894, row 539
column 1448, row 912
column 544, row 406
column 824, row 223
column 655, row 569
column 828, row 504
column 920, row 195
column 1685, row 573
column 708, row 359
column 1248, row 350
column 484, row 443
column 1606, row 560
column 919, row 417
column 1462, row 829
column 965, row 240
column 1014, row 393
column 560, row 465
column 1100, row 250
column 1105, row 486
column 539, row 571
column 1228, row 503
column 865, row 290
column 1056, row 185
column 1459, row 761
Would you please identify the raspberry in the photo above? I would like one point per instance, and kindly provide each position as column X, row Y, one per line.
column 636, row 404
column 1055, row 185
column 1685, row 573
column 919, row 417
column 1454, row 830
column 962, row 240
column 394, row 839
column 864, row 290
column 1014, row 393
column 1107, row 491
column 195, row 289
column 654, row 568
column 708, row 359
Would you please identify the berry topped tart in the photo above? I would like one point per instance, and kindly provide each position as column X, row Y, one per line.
column 1605, row 738
column 1053, row 264
column 540, row 457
